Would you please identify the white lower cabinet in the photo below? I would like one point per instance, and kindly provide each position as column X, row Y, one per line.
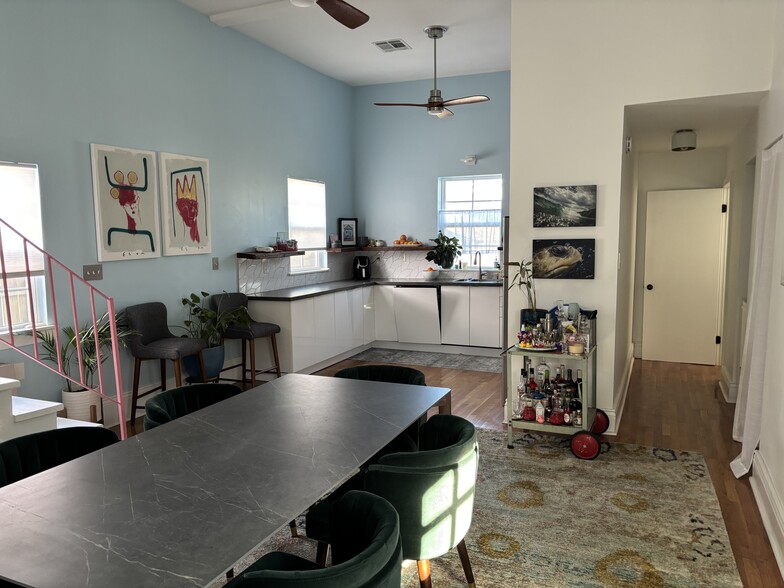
column 471, row 315
column 384, row 315
column 416, row 315
column 368, row 315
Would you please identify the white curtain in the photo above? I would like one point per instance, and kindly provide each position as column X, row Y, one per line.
column 749, row 407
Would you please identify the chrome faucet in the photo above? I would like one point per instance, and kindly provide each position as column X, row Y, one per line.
column 478, row 255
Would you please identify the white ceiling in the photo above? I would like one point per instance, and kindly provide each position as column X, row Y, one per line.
column 478, row 39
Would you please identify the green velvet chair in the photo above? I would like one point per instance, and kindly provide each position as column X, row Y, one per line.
column 432, row 490
column 366, row 551
column 24, row 456
column 177, row 402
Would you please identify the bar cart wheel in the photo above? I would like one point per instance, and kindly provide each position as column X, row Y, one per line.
column 584, row 445
column 601, row 422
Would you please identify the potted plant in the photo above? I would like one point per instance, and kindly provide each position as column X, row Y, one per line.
column 79, row 400
column 524, row 280
column 205, row 323
column 445, row 250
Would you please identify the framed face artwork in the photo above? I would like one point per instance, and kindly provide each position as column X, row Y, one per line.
column 185, row 194
column 125, row 193
column 564, row 259
column 347, row 231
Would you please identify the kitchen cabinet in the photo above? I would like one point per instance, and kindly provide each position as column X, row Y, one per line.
column 471, row 315
column 416, row 315
column 384, row 316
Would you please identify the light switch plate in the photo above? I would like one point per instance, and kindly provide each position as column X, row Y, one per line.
column 92, row 272
column 215, row 263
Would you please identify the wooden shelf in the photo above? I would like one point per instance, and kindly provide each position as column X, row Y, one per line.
column 260, row 255
column 398, row 248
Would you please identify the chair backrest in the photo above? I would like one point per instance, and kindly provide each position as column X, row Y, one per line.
column 177, row 402
column 384, row 373
column 24, row 456
column 149, row 322
column 228, row 301
column 366, row 549
column 432, row 489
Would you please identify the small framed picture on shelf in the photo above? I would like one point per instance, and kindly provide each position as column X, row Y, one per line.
column 347, row 231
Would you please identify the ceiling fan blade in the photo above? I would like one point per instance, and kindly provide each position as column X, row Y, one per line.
column 397, row 104
column 445, row 113
column 344, row 13
column 466, row 100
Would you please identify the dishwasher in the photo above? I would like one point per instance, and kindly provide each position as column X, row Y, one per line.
column 416, row 314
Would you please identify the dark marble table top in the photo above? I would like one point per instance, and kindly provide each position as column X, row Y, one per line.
column 178, row 505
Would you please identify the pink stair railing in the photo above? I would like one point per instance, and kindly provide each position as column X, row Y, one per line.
column 72, row 281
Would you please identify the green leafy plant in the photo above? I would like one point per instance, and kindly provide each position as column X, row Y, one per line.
column 205, row 323
column 86, row 338
column 444, row 251
column 523, row 278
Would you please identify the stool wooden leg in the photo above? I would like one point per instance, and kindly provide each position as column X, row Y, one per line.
column 137, row 364
column 469, row 573
column 423, row 565
column 275, row 354
column 178, row 373
column 202, row 369
column 293, row 527
column 245, row 363
column 163, row 374
column 321, row 553
column 252, row 345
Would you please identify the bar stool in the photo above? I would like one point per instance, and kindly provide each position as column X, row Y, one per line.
column 152, row 339
column 247, row 334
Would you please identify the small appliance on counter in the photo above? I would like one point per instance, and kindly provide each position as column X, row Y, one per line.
column 361, row 267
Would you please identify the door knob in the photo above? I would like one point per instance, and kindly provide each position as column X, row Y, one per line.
column 649, row 287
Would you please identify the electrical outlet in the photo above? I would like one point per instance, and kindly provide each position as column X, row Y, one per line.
column 215, row 263
column 92, row 272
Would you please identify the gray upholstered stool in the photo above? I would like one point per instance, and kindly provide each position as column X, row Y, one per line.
column 247, row 334
column 153, row 340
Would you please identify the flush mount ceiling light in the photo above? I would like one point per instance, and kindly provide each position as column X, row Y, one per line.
column 684, row 140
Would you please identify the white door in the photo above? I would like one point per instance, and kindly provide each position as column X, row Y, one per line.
column 683, row 276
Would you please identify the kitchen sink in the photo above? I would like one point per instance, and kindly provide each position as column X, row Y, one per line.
column 468, row 280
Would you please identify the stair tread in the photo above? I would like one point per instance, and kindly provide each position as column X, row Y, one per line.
column 29, row 408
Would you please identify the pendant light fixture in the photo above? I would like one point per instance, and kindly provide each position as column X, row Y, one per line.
column 684, row 140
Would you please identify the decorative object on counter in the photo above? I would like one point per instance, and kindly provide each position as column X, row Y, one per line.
column 431, row 274
column 347, row 231
column 565, row 206
column 523, row 278
column 379, row 243
column 406, row 241
column 185, row 198
column 564, row 259
column 288, row 245
column 445, row 250
column 364, row 241
column 264, row 249
column 208, row 325
column 334, row 242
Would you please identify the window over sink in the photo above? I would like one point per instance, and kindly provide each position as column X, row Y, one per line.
column 469, row 208
column 307, row 204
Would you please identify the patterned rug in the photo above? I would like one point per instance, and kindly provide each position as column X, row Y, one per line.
column 634, row 517
column 455, row 361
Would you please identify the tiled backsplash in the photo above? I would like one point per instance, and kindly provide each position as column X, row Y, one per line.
column 257, row 275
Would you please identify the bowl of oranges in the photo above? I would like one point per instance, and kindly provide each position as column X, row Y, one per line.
column 406, row 241
column 431, row 273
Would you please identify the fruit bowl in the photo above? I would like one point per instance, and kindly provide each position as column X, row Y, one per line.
column 430, row 274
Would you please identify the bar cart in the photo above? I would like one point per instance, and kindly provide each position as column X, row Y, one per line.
column 584, row 442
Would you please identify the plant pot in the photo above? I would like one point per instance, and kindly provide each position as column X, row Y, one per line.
column 78, row 405
column 213, row 363
column 531, row 316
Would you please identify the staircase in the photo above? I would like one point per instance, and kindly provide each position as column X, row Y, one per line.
column 67, row 296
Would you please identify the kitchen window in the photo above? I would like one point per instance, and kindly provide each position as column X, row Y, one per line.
column 469, row 208
column 21, row 209
column 308, row 225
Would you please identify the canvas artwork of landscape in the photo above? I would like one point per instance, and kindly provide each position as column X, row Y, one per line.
column 565, row 206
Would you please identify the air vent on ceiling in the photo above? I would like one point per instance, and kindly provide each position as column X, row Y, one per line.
column 392, row 45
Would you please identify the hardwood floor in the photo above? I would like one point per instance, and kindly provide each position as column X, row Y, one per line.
column 668, row 405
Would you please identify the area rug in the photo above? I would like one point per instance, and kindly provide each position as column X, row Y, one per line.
column 455, row 361
column 633, row 517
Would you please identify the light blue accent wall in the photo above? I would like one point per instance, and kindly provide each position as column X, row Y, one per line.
column 156, row 75
column 400, row 152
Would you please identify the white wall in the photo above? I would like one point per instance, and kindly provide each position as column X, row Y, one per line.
column 575, row 65
column 665, row 170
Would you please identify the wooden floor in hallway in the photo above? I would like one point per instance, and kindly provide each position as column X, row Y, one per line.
column 677, row 406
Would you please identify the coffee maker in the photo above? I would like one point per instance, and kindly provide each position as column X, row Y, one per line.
column 361, row 267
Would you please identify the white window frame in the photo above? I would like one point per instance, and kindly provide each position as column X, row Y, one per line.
column 31, row 227
column 315, row 258
column 490, row 251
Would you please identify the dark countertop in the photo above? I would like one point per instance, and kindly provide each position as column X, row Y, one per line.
column 299, row 292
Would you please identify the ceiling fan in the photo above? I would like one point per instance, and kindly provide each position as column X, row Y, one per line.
column 436, row 105
column 341, row 11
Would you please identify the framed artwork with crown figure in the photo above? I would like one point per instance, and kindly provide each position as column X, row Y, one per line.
column 185, row 200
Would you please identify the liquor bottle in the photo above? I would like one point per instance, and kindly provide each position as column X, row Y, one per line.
column 547, row 390
column 540, row 370
column 571, row 385
column 568, row 417
column 532, row 385
column 558, row 377
column 577, row 409
column 540, row 412
column 522, row 394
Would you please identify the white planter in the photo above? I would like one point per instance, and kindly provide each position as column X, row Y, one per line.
column 77, row 405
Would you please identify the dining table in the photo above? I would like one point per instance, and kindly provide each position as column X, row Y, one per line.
column 180, row 504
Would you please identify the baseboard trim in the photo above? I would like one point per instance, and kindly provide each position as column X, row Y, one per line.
column 616, row 414
column 435, row 348
column 770, row 507
column 729, row 389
